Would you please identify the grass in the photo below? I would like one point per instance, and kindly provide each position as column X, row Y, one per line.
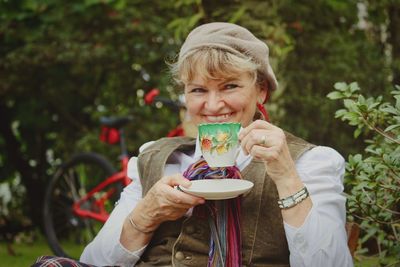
column 27, row 253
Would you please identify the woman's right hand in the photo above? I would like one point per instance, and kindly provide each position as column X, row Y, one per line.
column 163, row 202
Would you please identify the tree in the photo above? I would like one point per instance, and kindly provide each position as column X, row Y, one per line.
column 382, row 20
column 328, row 45
column 62, row 66
column 373, row 178
column 65, row 64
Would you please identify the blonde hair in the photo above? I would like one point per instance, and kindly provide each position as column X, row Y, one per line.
column 211, row 63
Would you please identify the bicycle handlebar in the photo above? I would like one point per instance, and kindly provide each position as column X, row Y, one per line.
column 116, row 122
column 150, row 98
column 153, row 97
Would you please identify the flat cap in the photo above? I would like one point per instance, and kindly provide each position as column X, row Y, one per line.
column 234, row 39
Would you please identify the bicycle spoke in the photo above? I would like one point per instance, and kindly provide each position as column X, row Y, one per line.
column 71, row 184
column 69, row 179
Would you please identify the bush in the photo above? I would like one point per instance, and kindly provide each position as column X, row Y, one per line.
column 372, row 179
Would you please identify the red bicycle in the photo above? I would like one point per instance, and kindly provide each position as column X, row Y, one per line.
column 82, row 192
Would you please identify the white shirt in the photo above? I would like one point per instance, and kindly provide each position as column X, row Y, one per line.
column 320, row 241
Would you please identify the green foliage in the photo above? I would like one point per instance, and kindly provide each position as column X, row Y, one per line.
column 328, row 45
column 64, row 64
column 373, row 179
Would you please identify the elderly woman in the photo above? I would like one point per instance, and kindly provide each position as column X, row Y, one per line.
column 294, row 215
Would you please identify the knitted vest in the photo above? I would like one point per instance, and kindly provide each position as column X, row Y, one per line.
column 185, row 242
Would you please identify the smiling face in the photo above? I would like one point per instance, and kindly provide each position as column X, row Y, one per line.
column 223, row 99
column 219, row 86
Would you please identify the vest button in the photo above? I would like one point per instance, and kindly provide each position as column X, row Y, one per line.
column 190, row 229
column 179, row 255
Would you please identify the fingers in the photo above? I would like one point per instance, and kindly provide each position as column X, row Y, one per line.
column 259, row 139
column 262, row 140
column 258, row 124
column 176, row 197
column 256, row 137
column 267, row 154
column 163, row 202
column 176, row 179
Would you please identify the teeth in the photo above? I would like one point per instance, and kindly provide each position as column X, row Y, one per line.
column 218, row 118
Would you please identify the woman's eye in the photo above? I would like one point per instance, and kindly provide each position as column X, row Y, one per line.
column 231, row 86
column 197, row 90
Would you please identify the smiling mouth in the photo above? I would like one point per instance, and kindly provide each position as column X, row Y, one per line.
column 218, row 118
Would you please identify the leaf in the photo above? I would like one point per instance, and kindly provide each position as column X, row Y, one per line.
column 340, row 113
column 391, row 110
column 351, row 116
column 361, row 99
column 397, row 97
column 349, row 104
column 120, row 5
column 357, row 132
column 373, row 105
column 238, row 14
column 194, row 19
column 391, row 127
column 335, row 95
column 363, row 108
column 354, row 87
column 341, row 86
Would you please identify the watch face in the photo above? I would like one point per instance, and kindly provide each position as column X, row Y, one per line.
column 287, row 202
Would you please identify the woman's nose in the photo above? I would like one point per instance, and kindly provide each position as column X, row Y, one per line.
column 214, row 102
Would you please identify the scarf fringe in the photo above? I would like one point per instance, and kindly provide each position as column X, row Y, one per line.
column 224, row 217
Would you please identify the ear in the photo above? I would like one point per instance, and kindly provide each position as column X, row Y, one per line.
column 262, row 93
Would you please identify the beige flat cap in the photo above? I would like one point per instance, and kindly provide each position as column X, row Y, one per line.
column 232, row 38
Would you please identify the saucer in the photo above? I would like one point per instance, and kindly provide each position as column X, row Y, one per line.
column 216, row 189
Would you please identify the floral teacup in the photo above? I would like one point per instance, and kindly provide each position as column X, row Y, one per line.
column 219, row 143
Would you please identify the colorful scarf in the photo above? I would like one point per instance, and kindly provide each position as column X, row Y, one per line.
column 223, row 217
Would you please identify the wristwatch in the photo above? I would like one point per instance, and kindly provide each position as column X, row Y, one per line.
column 293, row 200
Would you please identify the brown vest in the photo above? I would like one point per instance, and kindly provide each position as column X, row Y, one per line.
column 185, row 242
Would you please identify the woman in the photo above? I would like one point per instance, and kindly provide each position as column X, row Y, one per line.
column 226, row 76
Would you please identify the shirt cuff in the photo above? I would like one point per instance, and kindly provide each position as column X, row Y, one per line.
column 129, row 257
column 296, row 236
column 317, row 233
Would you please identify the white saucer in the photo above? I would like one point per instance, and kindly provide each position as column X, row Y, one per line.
column 215, row 189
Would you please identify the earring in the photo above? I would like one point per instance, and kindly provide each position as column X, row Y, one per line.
column 263, row 111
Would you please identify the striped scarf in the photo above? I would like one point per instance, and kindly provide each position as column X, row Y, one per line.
column 223, row 217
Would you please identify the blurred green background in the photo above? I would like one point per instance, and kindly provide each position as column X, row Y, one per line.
column 64, row 64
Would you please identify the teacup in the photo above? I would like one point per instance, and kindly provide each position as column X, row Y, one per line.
column 219, row 143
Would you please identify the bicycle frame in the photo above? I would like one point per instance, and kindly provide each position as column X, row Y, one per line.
column 97, row 211
column 92, row 185
column 100, row 213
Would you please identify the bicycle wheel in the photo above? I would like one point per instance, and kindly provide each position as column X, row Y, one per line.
column 68, row 233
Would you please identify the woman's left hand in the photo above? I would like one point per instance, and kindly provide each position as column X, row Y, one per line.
column 267, row 142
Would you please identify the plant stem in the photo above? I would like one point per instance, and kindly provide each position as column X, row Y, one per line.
column 395, row 232
column 379, row 130
column 378, row 205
